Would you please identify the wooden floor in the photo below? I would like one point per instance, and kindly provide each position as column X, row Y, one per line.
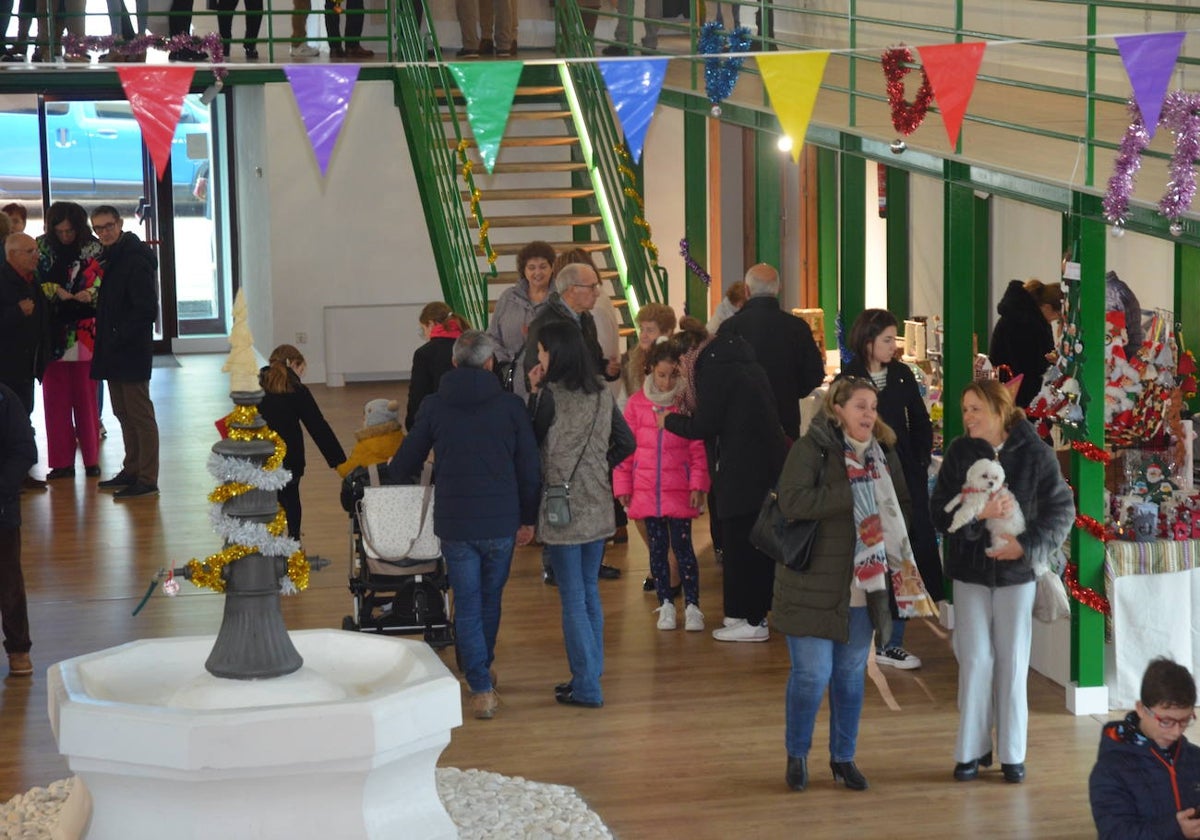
column 689, row 743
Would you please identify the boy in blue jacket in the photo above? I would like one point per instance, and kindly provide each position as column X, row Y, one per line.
column 1146, row 782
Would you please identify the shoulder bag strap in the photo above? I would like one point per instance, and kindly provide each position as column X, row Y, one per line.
column 583, row 449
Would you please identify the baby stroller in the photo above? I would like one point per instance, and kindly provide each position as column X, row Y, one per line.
column 398, row 578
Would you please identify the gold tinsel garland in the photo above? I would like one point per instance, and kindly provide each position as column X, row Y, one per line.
column 207, row 572
column 632, row 194
column 467, row 167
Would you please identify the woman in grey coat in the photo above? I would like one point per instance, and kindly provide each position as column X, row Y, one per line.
column 519, row 304
column 573, row 417
column 994, row 588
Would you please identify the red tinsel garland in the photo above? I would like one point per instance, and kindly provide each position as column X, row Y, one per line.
column 1091, row 451
column 1087, row 597
column 1093, row 526
column 906, row 117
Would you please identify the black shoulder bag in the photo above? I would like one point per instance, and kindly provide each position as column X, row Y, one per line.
column 786, row 541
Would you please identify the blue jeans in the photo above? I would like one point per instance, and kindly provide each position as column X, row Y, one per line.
column 478, row 571
column 577, row 570
column 818, row 664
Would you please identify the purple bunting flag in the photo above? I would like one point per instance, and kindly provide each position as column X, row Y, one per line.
column 634, row 87
column 1149, row 62
column 323, row 97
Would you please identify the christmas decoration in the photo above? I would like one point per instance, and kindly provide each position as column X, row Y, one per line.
column 75, row 46
column 633, row 195
column 721, row 74
column 906, row 116
column 685, row 251
column 1088, row 597
column 466, row 166
column 1125, row 168
column 1181, row 114
column 1091, row 451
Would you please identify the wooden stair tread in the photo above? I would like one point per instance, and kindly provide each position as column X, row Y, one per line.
column 539, row 166
column 521, row 115
column 513, row 142
column 511, row 248
column 537, row 220
column 502, row 278
column 530, row 193
column 528, row 90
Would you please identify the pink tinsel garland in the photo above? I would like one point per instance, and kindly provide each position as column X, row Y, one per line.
column 210, row 45
column 1181, row 114
column 1129, row 160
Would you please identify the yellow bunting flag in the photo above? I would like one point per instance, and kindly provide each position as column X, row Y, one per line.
column 793, row 82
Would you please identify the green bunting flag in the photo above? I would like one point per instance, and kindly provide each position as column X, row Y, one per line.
column 489, row 88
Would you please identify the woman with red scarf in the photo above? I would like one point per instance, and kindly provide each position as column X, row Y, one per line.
column 440, row 327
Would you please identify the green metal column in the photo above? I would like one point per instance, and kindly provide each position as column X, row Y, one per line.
column 768, row 224
column 827, row 240
column 983, row 271
column 959, row 291
column 852, row 200
column 899, row 258
column 1087, row 625
column 695, row 207
column 1187, row 301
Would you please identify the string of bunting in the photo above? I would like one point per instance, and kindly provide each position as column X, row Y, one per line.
column 466, row 167
column 633, row 195
column 1088, row 597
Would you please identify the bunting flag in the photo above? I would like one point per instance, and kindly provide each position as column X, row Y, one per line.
column 488, row 87
column 793, row 82
column 634, row 87
column 323, row 95
column 1149, row 62
column 952, row 69
column 156, row 96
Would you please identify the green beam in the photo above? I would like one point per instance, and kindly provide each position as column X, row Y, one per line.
column 853, row 251
column 1087, row 625
column 899, row 256
column 1187, row 301
column 827, row 240
column 983, row 271
column 959, row 291
column 768, row 193
column 695, row 208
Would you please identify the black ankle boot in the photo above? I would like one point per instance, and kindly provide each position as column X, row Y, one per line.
column 797, row 773
column 846, row 773
column 967, row 771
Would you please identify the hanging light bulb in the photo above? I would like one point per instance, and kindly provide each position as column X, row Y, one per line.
column 784, row 143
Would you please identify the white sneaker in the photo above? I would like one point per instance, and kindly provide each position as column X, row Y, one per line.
column 732, row 622
column 666, row 616
column 304, row 51
column 744, row 632
column 693, row 618
column 897, row 657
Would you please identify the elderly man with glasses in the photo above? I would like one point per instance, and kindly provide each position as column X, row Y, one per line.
column 24, row 325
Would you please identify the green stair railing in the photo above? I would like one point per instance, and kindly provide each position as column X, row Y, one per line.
column 634, row 256
column 421, row 89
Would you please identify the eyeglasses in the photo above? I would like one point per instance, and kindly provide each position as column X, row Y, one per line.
column 104, row 228
column 1170, row 723
column 591, row 286
column 860, row 382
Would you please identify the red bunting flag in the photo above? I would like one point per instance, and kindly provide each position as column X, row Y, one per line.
column 156, row 96
column 952, row 69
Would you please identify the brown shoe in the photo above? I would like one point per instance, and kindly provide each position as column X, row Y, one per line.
column 483, row 704
column 19, row 665
column 31, row 483
column 359, row 52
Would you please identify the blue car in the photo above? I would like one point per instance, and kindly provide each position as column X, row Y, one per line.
column 95, row 152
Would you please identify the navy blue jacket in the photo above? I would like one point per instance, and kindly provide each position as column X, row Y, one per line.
column 1133, row 791
column 125, row 312
column 18, row 453
column 487, row 475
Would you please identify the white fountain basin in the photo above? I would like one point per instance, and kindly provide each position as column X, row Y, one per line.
column 343, row 748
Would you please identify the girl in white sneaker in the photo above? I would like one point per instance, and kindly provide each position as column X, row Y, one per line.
column 663, row 484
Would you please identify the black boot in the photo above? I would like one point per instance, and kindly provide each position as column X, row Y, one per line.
column 797, row 773
column 846, row 773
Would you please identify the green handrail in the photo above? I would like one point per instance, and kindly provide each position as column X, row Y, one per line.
column 421, row 89
column 617, row 194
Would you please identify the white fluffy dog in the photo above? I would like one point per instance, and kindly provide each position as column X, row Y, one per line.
column 985, row 480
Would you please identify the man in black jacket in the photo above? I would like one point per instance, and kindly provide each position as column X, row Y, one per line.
column 24, row 325
column 783, row 345
column 17, row 454
column 126, row 308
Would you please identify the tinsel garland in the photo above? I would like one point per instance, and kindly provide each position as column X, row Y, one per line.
column 1088, row 597
column 75, row 46
column 1091, row 451
column 1181, row 114
column 207, row 572
column 466, row 167
column 1125, row 167
column 906, row 117
column 269, row 539
column 241, row 471
column 721, row 74
column 685, row 251
column 1094, row 527
column 633, row 195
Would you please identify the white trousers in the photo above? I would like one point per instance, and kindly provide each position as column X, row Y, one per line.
column 993, row 631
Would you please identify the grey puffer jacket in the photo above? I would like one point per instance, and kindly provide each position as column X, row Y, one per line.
column 514, row 312
column 1033, row 475
column 571, row 433
column 816, row 602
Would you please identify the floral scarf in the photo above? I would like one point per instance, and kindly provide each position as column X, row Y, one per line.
column 687, row 373
column 881, row 544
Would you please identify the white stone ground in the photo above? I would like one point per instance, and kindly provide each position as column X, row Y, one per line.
column 484, row 806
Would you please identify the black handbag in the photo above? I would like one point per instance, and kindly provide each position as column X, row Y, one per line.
column 786, row 541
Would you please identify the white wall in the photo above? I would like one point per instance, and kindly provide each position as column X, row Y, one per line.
column 1026, row 242
column 1147, row 265
column 663, row 193
column 926, row 201
column 875, row 234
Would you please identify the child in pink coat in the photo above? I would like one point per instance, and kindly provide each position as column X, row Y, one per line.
column 664, row 483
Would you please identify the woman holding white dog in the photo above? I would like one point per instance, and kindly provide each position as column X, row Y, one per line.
column 994, row 584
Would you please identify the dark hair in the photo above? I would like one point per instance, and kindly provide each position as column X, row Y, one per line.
column 1045, row 294
column 692, row 333
column 15, row 209
column 106, row 210
column 661, row 351
column 68, row 211
column 737, row 294
column 277, row 378
column 533, row 250
column 867, row 327
column 1167, row 683
column 570, row 362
